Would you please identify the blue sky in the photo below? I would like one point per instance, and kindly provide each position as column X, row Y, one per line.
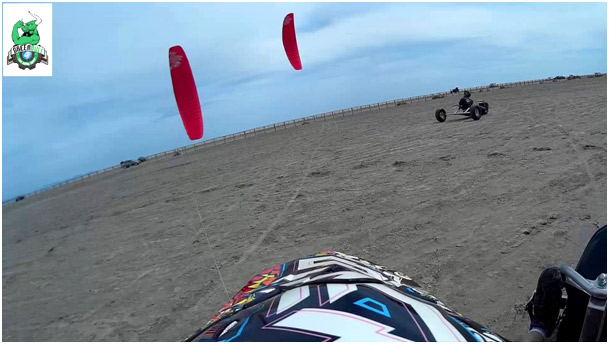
column 110, row 96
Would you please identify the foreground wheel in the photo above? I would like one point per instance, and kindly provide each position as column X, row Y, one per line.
column 441, row 115
column 475, row 113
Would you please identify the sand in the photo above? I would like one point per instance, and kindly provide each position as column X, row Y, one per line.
column 472, row 210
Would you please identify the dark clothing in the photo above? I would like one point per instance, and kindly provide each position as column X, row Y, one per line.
column 465, row 103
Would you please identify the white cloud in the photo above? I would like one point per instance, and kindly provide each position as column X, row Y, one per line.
column 400, row 24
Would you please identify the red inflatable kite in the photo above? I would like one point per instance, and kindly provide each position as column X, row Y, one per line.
column 185, row 91
column 289, row 41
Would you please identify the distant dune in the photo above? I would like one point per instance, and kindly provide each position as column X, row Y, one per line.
column 472, row 210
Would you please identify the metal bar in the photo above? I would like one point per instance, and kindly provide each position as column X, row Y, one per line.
column 583, row 284
column 593, row 321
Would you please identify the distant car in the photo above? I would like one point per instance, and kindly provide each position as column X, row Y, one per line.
column 19, row 198
column 597, row 74
column 493, row 85
column 129, row 163
column 559, row 77
column 141, row 159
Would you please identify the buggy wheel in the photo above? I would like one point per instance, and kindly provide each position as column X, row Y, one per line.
column 441, row 115
column 475, row 112
column 484, row 107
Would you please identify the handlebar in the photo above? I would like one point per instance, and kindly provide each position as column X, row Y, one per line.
column 587, row 286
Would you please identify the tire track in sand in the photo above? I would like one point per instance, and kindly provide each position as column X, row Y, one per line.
column 287, row 205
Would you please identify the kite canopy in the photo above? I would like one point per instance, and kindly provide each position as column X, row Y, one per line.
column 185, row 91
column 289, row 41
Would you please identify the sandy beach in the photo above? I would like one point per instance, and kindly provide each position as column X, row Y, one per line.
column 472, row 210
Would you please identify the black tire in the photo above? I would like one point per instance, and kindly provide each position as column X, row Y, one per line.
column 484, row 107
column 475, row 112
column 441, row 115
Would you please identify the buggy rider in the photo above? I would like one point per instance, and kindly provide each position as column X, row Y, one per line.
column 465, row 102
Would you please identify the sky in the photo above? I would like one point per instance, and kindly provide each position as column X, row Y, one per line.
column 110, row 97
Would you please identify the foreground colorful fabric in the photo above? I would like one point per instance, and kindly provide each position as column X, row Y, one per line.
column 333, row 296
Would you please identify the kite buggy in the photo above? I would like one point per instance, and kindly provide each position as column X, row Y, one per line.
column 466, row 107
column 475, row 112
